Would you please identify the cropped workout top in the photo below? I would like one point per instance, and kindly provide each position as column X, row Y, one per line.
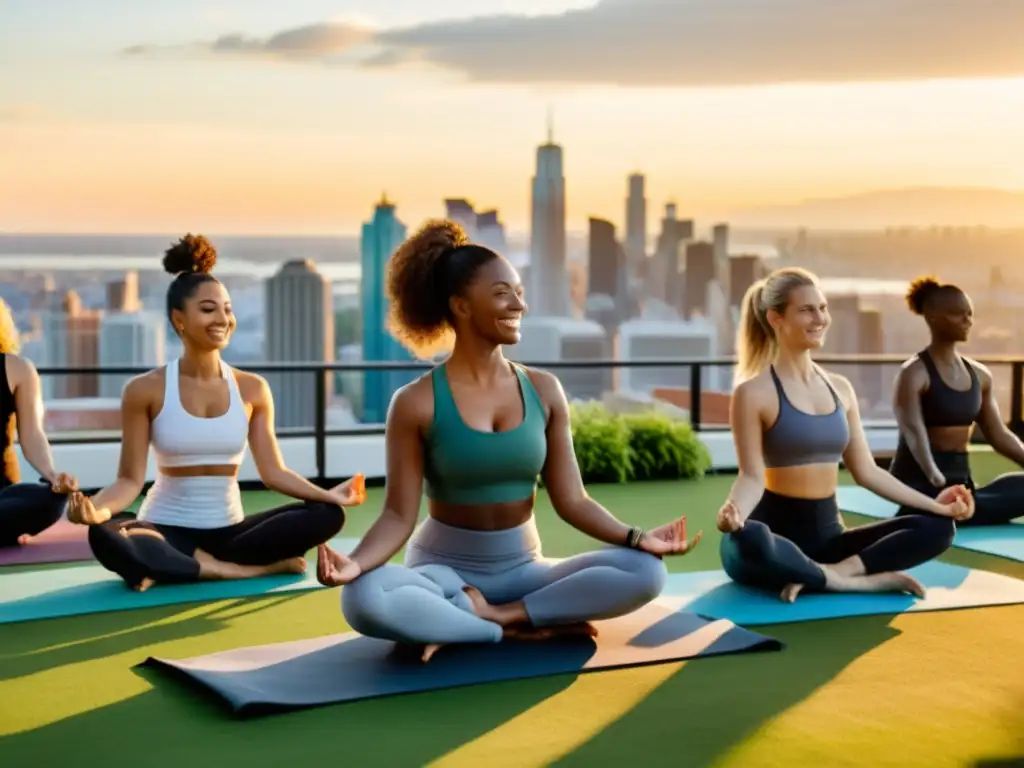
column 798, row 438
column 182, row 440
column 11, row 470
column 465, row 466
column 943, row 406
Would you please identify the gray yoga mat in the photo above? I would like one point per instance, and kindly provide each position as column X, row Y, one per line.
column 347, row 667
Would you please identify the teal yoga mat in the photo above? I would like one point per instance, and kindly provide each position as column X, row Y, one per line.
column 1000, row 540
column 712, row 594
column 75, row 591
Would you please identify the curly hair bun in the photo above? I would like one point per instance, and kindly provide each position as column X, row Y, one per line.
column 920, row 291
column 192, row 253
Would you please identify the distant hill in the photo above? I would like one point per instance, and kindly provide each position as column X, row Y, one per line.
column 908, row 207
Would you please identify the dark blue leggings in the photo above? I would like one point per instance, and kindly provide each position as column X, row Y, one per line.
column 996, row 503
column 786, row 540
column 28, row 508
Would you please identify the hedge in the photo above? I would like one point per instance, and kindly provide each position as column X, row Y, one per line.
column 622, row 448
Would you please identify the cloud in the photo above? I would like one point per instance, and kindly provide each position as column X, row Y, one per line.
column 688, row 43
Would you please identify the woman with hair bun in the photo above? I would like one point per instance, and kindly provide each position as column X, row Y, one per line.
column 199, row 414
column 939, row 396
column 474, row 434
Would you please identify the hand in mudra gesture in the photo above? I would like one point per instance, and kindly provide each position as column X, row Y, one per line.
column 729, row 518
column 82, row 511
column 958, row 502
column 669, row 539
column 334, row 569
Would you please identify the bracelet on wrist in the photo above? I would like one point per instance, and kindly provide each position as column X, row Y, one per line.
column 634, row 537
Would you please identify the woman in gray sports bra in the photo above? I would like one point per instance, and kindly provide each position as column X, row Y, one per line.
column 792, row 424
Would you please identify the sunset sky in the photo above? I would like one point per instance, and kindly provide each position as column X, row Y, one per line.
column 236, row 116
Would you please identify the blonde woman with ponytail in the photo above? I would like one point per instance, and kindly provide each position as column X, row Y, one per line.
column 792, row 423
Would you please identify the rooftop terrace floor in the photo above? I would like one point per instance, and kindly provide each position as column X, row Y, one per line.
column 933, row 689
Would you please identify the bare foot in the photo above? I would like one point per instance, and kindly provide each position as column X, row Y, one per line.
column 145, row 584
column 530, row 633
column 210, row 568
column 24, row 539
column 502, row 615
column 790, row 592
column 892, row 581
column 429, row 651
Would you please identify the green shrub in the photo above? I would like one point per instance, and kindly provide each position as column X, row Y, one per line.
column 612, row 448
column 664, row 448
column 601, row 442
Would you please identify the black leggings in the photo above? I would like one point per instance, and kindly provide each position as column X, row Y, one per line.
column 260, row 539
column 996, row 503
column 785, row 540
column 28, row 508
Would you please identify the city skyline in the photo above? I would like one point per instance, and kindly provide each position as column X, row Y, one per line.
column 239, row 119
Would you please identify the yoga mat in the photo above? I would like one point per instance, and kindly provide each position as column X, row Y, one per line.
column 85, row 589
column 713, row 594
column 62, row 542
column 1000, row 540
column 347, row 667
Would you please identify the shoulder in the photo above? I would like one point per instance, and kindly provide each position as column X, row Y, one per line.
column 19, row 369
column 984, row 374
column 842, row 386
column 144, row 387
column 414, row 402
column 253, row 387
column 547, row 385
column 757, row 390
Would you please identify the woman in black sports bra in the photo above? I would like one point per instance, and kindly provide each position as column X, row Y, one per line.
column 939, row 396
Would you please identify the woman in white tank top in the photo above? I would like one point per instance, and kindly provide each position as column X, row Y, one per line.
column 199, row 415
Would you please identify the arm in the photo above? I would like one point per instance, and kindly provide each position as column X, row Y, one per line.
column 866, row 473
column 131, row 469
column 404, row 486
column 909, row 384
column 28, row 400
column 266, row 452
column 1002, row 440
column 745, row 424
column 562, row 472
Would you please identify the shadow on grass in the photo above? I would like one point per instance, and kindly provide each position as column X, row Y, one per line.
column 35, row 646
column 713, row 705
column 174, row 726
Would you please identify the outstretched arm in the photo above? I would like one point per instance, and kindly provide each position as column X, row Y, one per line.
column 748, row 436
column 28, row 400
column 999, row 436
column 266, row 453
column 866, row 472
column 910, row 383
column 562, row 472
column 404, row 484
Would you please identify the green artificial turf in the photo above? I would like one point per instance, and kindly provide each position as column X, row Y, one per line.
column 936, row 689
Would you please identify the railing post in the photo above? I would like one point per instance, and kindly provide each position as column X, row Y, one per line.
column 695, row 395
column 320, row 425
column 1016, row 398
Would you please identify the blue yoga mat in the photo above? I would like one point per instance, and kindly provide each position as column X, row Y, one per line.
column 75, row 591
column 347, row 667
column 713, row 594
column 1000, row 540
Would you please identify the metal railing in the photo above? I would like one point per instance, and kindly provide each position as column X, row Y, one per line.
column 696, row 389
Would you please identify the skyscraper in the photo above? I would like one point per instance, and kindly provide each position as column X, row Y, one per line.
column 549, row 289
column 636, row 222
column 381, row 236
column 299, row 327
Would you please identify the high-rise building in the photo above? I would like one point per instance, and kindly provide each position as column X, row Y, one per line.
column 604, row 261
column 482, row 227
column 298, row 328
column 744, row 270
column 549, row 280
column 664, row 280
column 70, row 336
column 636, row 222
column 381, row 236
column 130, row 340
column 700, row 271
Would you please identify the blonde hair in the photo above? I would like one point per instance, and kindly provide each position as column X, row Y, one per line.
column 756, row 344
column 10, row 341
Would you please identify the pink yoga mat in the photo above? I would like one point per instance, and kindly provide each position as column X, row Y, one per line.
column 62, row 542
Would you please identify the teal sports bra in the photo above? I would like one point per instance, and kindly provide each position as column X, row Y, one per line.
column 465, row 466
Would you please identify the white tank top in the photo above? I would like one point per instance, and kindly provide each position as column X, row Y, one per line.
column 180, row 439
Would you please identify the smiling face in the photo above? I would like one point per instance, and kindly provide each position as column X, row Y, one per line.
column 493, row 304
column 207, row 322
column 805, row 320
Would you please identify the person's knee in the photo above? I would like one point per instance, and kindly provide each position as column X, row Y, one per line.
column 328, row 519
column 363, row 601
column 939, row 531
column 649, row 573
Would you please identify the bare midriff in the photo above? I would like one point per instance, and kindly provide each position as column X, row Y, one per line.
column 950, row 439
column 217, row 470
column 483, row 517
column 810, row 481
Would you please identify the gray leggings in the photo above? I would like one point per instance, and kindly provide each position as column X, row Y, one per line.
column 423, row 602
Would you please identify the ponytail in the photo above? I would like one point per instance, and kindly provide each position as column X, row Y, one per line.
column 755, row 339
